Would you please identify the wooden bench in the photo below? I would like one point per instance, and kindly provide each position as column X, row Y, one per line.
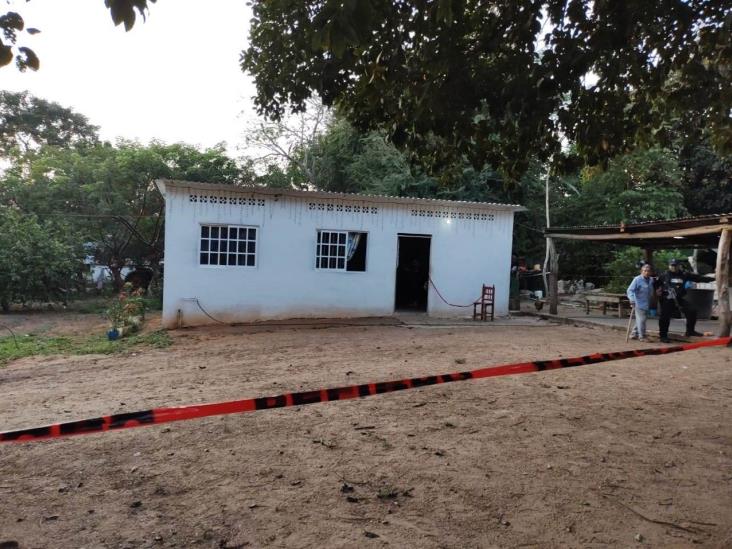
column 621, row 300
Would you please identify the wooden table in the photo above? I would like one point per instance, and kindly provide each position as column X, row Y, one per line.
column 608, row 299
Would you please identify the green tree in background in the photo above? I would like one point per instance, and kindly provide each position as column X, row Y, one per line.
column 38, row 260
column 28, row 123
column 107, row 194
column 640, row 186
column 283, row 150
column 706, row 179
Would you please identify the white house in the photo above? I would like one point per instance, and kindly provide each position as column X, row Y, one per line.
column 239, row 254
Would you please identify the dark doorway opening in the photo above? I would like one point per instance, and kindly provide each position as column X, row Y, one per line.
column 412, row 275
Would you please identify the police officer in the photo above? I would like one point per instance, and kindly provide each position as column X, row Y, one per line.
column 671, row 291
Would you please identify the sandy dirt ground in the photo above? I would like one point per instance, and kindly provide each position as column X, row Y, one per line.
column 634, row 453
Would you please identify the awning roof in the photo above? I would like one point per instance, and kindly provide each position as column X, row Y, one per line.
column 700, row 231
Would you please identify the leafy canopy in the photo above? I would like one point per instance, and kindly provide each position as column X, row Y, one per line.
column 107, row 193
column 38, row 260
column 28, row 122
column 500, row 82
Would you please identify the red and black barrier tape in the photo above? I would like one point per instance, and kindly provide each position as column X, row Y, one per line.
column 179, row 413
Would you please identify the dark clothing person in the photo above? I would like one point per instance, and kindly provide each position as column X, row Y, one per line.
column 671, row 289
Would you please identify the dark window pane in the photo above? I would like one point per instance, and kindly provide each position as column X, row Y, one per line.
column 333, row 251
column 242, row 247
column 232, row 259
column 342, row 238
column 214, row 245
column 213, row 259
column 250, row 247
column 332, row 263
column 222, row 259
column 326, row 237
column 252, row 234
column 204, row 231
column 250, row 261
column 341, row 251
column 223, row 246
column 241, row 259
column 320, row 236
column 214, row 232
column 358, row 260
column 204, row 259
column 232, row 233
column 341, row 263
column 204, row 245
column 242, row 234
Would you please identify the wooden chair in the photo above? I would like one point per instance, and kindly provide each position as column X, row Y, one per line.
column 486, row 300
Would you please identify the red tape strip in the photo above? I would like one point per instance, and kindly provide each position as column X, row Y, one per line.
column 180, row 413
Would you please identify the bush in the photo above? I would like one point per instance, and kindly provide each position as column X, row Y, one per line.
column 38, row 261
column 127, row 311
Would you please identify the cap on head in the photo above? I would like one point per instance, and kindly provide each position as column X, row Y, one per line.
column 673, row 262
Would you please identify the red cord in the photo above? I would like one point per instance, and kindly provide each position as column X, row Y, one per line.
column 445, row 300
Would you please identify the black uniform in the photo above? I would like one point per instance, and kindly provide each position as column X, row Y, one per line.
column 672, row 300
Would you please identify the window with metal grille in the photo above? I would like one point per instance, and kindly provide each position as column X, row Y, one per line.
column 228, row 245
column 341, row 251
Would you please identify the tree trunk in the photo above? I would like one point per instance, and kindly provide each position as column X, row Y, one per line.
column 116, row 271
column 648, row 255
column 723, row 273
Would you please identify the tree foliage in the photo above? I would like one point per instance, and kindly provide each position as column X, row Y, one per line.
column 284, row 148
column 108, row 193
column 500, row 82
column 38, row 260
column 28, row 122
column 706, row 179
column 640, row 186
column 12, row 25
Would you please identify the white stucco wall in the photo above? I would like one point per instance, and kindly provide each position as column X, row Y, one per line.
column 465, row 253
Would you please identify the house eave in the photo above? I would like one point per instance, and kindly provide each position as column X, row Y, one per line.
column 165, row 184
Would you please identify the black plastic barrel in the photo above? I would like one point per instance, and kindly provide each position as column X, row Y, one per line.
column 702, row 301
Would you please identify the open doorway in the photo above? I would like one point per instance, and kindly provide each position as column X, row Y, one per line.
column 412, row 274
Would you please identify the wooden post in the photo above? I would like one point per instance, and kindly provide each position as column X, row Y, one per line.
column 723, row 274
column 553, row 278
column 648, row 255
column 547, row 256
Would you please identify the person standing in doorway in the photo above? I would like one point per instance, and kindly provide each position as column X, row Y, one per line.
column 640, row 293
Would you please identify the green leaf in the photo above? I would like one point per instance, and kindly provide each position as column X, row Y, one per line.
column 28, row 59
column 6, row 54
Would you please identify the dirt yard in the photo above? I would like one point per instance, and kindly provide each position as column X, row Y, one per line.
column 634, row 453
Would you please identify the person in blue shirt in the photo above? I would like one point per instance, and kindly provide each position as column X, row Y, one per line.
column 640, row 293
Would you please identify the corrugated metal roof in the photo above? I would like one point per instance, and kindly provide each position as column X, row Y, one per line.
column 374, row 199
column 655, row 225
column 682, row 232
